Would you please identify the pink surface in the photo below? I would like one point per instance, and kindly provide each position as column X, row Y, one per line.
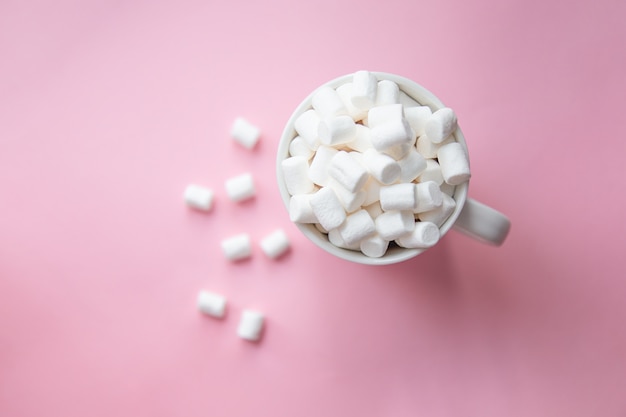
column 109, row 109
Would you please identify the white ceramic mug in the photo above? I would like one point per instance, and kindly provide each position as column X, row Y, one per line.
column 470, row 216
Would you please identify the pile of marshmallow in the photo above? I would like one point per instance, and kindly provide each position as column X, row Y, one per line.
column 371, row 167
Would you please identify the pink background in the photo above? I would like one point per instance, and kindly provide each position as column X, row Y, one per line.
column 108, row 109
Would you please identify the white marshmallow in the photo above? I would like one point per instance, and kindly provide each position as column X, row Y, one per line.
column 427, row 148
column 199, row 197
column 372, row 191
column 364, row 89
column 454, row 163
column 300, row 210
column 327, row 103
column 392, row 133
column 398, row 152
column 211, row 303
column 441, row 124
column 439, row 214
column 299, row 147
column 357, row 226
column 429, row 196
column 275, row 244
column 362, row 139
column 398, row 197
column 350, row 201
column 336, row 130
column 345, row 91
column 417, row 118
column 250, row 325
column 380, row 115
column 237, row 247
column 411, row 166
column 425, row 235
column 390, row 225
column 335, row 238
column 374, row 209
column 327, row 208
column 407, row 101
column 382, row 167
column 306, row 126
column 321, row 228
column 296, row 175
column 431, row 173
column 318, row 171
column 387, row 92
column 347, row 171
column 374, row 246
column 241, row 187
column 447, row 188
column 245, row 133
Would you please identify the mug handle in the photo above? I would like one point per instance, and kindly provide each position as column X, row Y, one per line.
column 483, row 223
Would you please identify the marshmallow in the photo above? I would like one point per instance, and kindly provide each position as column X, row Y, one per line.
column 384, row 114
column 392, row 133
column 241, row 187
column 299, row 147
column 407, row 101
column 327, row 208
column 427, row 148
column 321, row 228
column 454, row 163
column 398, row 152
column 318, row 171
column 300, row 210
column 336, row 130
column 296, row 175
column 429, row 196
column 440, row 125
column 390, row 225
column 374, row 209
column 345, row 91
column 417, row 118
column 211, row 304
column 237, row 247
column 327, row 103
column 382, row 167
column 372, row 191
column 245, row 133
column 364, row 89
column 398, row 197
column 425, row 235
column 432, row 172
column 275, row 244
column 439, row 214
column 411, row 166
column 199, row 197
column 374, row 246
column 347, row 171
column 362, row 139
column 335, row 238
column 387, row 92
column 350, row 201
column 357, row 226
column 306, row 126
column 250, row 325
column 447, row 189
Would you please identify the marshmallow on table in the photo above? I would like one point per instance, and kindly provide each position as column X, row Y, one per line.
column 454, row 163
column 345, row 91
column 245, row 133
column 211, row 303
column 382, row 167
column 392, row 224
column 347, row 171
column 432, row 172
column 241, row 187
column 374, row 246
column 275, row 244
column 350, row 201
column 427, row 148
column 318, row 170
column 391, row 133
column 250, row 325
column 439, row 214
column 441, row 124
column 424, row 235
column 237, row 247
column 296, row 175
column 299, row 147
column 327, row 103
column 364, row 89
column 388, row 92
column 362, row 139
column 417, row 118
column 307, row 125
column 429, row 196
column 398, row 197
column 327, row 208
column 199, row 197
column 300, row 210
column 357, row 226
column 411, row 166
column 336, row 130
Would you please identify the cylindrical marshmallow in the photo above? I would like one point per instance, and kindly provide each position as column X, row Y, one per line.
column 241, row 187
column 399, row 151
column 374, row 209
column 347, row 171
column 237, row 247
column 364, row 89
column 390, row 225
column 275, row 244
column 447, row 188
column 250, row 325
column 407, row 101
column 327, row 208
column 425, row 235
column 379, row 115
column 245, row 133
column 345, row 92
column 454, row 163
column 211, row 303
column 335, row 238
column 300, row 210
column 357, row 226
column 296, row 175
column 398, row 197
column 336, row 130
column 327, row 103
column 299, row 147
column 198, row 197
column 306, row 126
column 362, row 139
column 432, row 172
column 374, row 246
column 439, row 214
column 411, row 166
column 427, row 148
column 441, row 124
column 388, row 92
column 318, row 171
column 382, row 167
column 417, row 118
column 429, row 196
column 350, row 201
column 372, row 191
column 392, row 133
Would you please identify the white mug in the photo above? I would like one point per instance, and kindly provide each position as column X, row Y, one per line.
column 469, row 217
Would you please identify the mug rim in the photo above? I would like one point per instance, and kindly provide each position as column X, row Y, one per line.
column 393, row 255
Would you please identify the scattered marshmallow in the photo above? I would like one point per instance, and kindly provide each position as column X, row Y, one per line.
column 275, row 244
column 245, row 133
column 241, row 187
column 398, row 197
column 364, row 89
column 251, row 325
column 296, row 175
column 327, row 103
column 327, row 208
column 300, row 210
column 337, row 130
column 237, row 247
column 211, row 303
column 424, row 235
column 356, row 227
column 347, row 171
column 199, row 197
column 440, row 125
column 454, row 163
